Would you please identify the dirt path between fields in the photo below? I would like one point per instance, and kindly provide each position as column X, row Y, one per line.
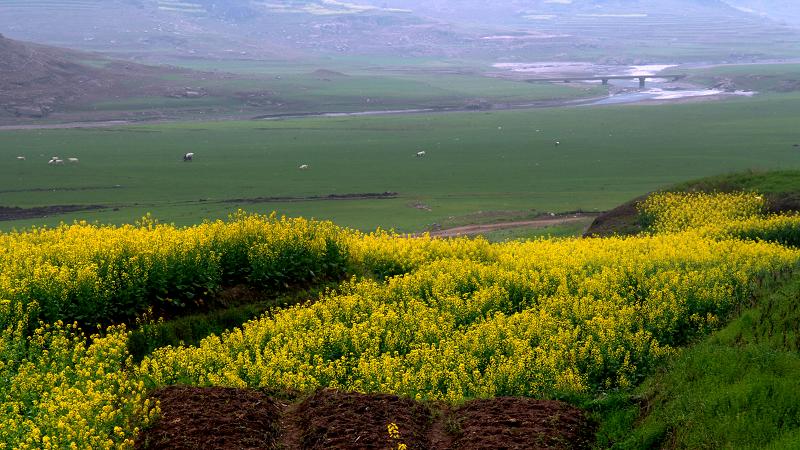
column 547, row 221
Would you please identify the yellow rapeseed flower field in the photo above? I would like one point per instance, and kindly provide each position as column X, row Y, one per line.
column 416, row 316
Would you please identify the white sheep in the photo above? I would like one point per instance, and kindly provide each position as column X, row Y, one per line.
column 188, row 156
column 56, row 161
column 20, row 158
column 303, row 167
column 420, row 154
column 558, row 143
column 73, row 160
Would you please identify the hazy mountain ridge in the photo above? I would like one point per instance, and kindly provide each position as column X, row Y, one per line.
column 474, row 29
column 514, row 10
column 784, row 11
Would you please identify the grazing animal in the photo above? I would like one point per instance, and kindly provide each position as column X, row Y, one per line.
column 303, row 167
column 420, row 154
column 558, row 143
column 73, row 160
column 56, row 161
column 188, row 157
column 20, row 158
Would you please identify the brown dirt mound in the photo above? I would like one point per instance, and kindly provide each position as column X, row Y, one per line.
column 622, row 220
column 218, row 418
column 340, row 420
column 513, row 423
column 213, row 418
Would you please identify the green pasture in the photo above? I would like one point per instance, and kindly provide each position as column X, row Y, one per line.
column 476, row 162
column 737, row 388
column 525, row 233
column 754, row 77
column 309, row 89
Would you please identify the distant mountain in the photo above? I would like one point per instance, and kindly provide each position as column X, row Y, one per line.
column 510, row 11
column 786, row 11
column 215, row 29
column 623, row 30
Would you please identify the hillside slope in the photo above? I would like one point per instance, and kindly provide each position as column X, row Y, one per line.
column 736, row 388
column 784, row 11
column 36, row 80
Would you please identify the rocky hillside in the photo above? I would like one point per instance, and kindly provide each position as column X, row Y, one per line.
column 36, row 80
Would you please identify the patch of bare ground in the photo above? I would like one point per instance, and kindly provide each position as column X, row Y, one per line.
column 622, row 221
column 511, row 423
column 14, row 213
column 221, row 418
column 356, row 196
column 213, row 418
column 342, row 421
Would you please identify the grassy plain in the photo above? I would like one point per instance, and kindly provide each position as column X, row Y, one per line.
column 481, row 161
column 752, row 77
column 262, row 89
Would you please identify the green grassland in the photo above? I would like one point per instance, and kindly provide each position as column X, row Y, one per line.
column 480, row 161
column 738, row 388
column 753, row 77
column 309, row 89
column 523, row 233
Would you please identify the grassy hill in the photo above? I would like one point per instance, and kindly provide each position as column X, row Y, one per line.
column 737, row 388
column 36, row 80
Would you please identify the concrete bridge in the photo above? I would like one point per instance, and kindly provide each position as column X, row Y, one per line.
column 605, row 78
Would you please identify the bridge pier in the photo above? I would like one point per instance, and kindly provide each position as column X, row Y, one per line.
column 641, row 82
column 605, row 81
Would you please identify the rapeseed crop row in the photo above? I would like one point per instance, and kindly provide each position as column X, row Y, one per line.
column 545, row 318
column 668, row 212
column 420, row 317
column 60, row 390
column 722, row 215
column 98, row 274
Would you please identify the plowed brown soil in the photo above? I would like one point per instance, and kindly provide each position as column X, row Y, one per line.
column 213, row 418
column 343, row 421
column 513, row 424
column 217, row 418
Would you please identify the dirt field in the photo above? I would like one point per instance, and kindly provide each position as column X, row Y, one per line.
column 13, row 213
column 221, row 418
